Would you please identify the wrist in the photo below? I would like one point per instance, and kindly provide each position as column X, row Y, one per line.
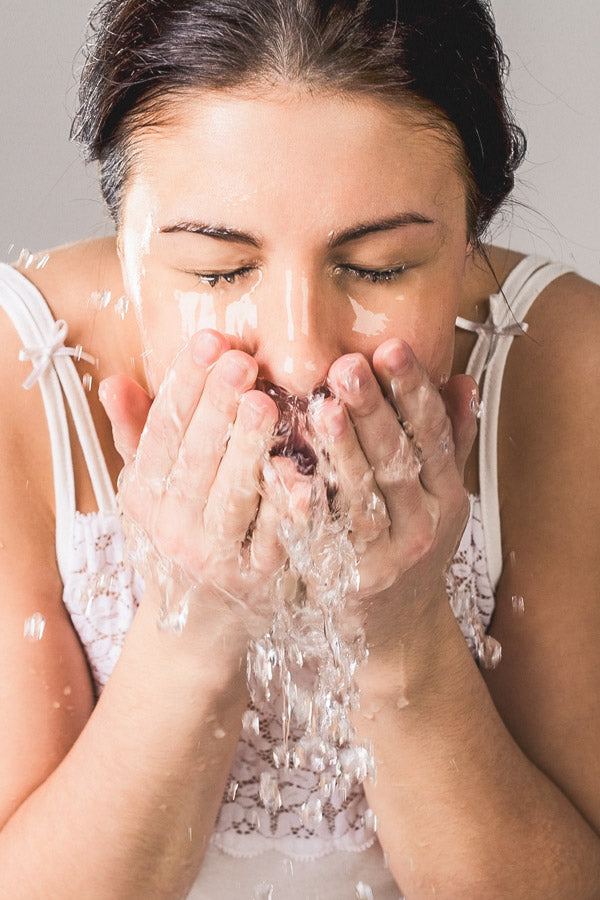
column 408, row 667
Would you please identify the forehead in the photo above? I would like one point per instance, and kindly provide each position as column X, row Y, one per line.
column 299, row 156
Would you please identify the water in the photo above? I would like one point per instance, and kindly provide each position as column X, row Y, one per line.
column 310, row 656
column 34, row 627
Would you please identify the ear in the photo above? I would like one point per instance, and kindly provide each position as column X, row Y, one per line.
column 127, row 406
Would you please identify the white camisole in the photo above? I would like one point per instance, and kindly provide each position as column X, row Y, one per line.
column 254, row 853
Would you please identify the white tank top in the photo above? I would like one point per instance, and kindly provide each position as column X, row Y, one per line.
column 102, row 592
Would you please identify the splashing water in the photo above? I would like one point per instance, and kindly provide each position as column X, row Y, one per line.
column 312, row 652
column 483, row 646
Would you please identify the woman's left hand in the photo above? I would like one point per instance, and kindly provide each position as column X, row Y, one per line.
column 400, row 467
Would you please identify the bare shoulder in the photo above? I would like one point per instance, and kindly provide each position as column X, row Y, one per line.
column 547, row 684
column 45, row 687
column 75, row 273
column 551, row 376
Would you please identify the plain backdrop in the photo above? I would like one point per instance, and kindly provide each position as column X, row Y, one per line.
column 48, row 196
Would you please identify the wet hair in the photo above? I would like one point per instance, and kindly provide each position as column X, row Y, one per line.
column 441, row 58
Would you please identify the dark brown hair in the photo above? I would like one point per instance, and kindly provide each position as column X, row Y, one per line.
column 442, row 56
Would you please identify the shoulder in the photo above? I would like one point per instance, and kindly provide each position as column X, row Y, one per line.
column 550, row 382
column 75, row 274
column 549, row 425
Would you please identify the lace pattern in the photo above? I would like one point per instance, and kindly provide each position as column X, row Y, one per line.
column 102, row 591
column 102, row 594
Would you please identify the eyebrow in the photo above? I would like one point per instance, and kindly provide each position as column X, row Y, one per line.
column 336, row 239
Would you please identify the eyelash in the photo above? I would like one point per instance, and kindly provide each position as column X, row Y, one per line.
column 375, row 276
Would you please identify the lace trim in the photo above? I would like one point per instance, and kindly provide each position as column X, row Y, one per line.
column 102, row 595
column 102, row 591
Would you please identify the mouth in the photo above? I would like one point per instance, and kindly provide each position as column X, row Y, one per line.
column 293, row 429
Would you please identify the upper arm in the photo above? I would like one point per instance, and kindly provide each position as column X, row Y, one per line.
column 46, row 694
column 547, row 687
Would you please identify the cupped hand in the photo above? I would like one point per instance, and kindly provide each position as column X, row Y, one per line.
column 193, row 458
column 399, row 446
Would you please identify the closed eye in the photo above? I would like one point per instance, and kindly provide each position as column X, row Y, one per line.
column 215, row 278
column 376, row 276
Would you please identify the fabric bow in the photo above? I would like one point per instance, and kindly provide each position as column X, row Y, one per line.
column 512, row 330
column 41, row 357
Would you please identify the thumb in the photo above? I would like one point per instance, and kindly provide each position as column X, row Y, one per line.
column 127, row 406
column 461, row 396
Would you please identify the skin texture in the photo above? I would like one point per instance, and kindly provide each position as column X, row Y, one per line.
column 294, row 171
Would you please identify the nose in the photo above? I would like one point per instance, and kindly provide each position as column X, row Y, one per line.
column 298, row 336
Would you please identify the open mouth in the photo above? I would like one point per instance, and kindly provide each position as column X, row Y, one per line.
column 293, row 431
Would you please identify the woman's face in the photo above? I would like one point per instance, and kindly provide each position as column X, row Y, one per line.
column 303, row 226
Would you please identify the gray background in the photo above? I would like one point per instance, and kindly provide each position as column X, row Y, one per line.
column 47, row 196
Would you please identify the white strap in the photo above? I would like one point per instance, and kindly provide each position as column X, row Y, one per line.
column 43, row 341
column 43, row 354
column 505, row 321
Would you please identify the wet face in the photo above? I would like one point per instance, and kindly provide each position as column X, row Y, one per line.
column 304, row 227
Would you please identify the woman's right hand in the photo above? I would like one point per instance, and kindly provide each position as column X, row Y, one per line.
column 193, row 458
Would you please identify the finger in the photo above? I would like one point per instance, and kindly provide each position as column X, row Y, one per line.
column 267, row 554
column 356, row 481
column 461, row 397
column 288, row 490
column 127, row 406
column 388, row 450
column 422, row 411
column 234, row 496
column 211, row 424
column 175, row 404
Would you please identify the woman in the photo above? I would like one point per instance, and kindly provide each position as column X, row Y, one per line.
column 300, row 193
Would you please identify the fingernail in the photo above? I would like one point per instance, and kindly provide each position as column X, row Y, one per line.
column 397, row 358
column 105, row 394
column 206, row 348
column 475, row 405
column 350, row 376
column 234, row 372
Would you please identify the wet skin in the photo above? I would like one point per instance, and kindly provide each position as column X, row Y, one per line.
column 338, row 228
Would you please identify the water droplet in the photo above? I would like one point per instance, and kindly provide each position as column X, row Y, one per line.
column 263, row 891
column 518, row 605
column 311, row 813
column 363, row 891
column 370, row 822
column 476, row 406
column 43, row 262
column 99, row 299
column 219, row 733
column 67, row 691
column 87, row 382
column 288, row 867
column 34, row 627
column 121, row 307
column 269, row 792
column 251, row 722
column 56, row 705
column 489, row 652
column 281, row 757
column 232, row 790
